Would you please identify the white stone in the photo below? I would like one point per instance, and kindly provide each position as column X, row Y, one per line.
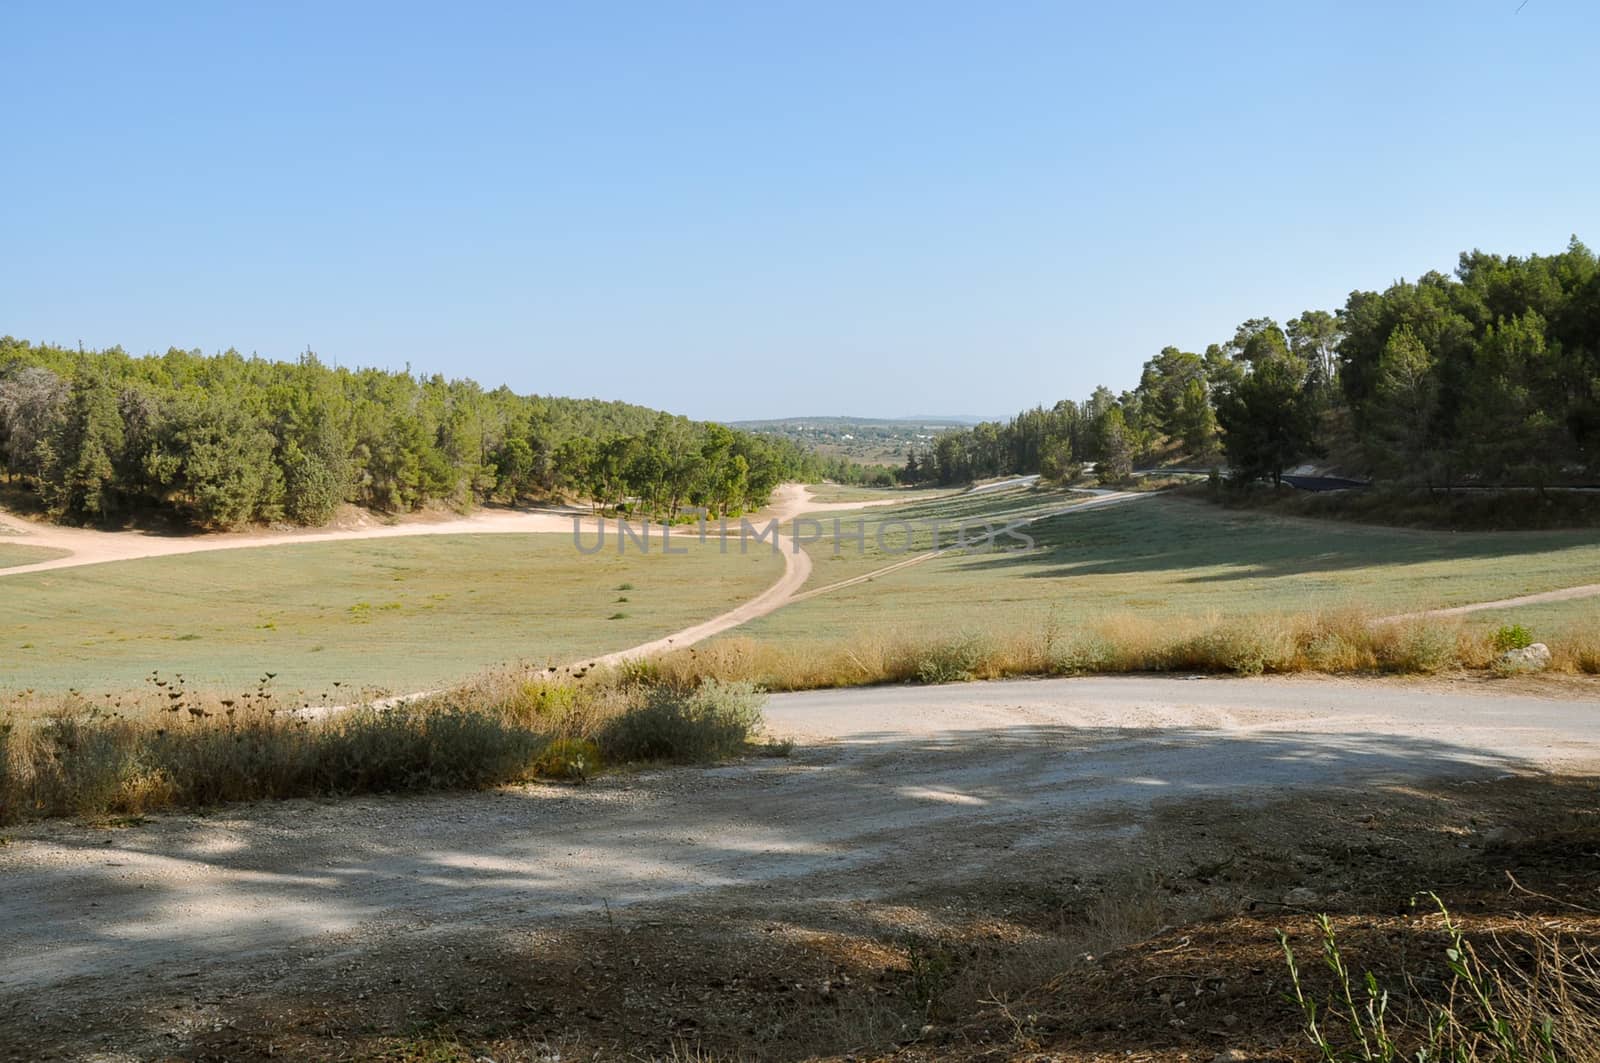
column 1535, row 658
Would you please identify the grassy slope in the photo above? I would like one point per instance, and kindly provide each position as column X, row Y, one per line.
column 396, row 614
column 1168, row 557
column 12, row 554
column 1543, row 619
column 902, row 537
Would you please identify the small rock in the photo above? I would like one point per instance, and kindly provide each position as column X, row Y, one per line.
column 1499, row 836
column 1535, row 658
column 1232, row 1055
column 1300, row 897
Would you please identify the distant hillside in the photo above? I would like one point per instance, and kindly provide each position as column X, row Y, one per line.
column 880, row 440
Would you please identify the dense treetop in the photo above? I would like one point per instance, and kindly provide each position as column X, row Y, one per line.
column 225, row 440
column 1491, row 376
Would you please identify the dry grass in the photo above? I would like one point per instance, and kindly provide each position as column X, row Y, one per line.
column 1532, row 995
column 1339, row 642
column 1578, row 652
column 169, row 748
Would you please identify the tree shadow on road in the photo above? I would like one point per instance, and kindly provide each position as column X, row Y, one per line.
column 726, row 885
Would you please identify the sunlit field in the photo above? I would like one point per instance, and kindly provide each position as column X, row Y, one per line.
column 1164, row 557
column 394, row 614
column 13, row 554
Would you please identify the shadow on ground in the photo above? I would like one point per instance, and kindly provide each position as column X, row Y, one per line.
column 176, row 932
column 1176, row 535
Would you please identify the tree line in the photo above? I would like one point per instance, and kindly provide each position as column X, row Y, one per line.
column 224, row 440
column 1491, row 376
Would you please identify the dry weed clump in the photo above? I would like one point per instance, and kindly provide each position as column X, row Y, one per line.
column 1335, row 642
column 1579, row 652
column 68, row 756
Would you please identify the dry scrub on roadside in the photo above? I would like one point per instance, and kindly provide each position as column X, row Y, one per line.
column 70, row 756
column 1334, row 643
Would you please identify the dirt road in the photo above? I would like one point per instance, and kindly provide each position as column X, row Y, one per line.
column 791, row 501
column 88, row 546
column 890, row 786
column 1565, row 594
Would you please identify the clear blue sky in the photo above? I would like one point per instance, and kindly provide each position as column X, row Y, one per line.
column 745, row 210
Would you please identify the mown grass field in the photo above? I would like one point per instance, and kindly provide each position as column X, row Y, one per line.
column 1543, row 619
column 391, row 614
column 895, row 533
column 13, row 554
column 1171, row 558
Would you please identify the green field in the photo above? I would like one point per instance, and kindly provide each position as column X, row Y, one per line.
column 13, row 554
column 1168, row 557
column 392, row 614
column 1543, row 620
column 894, row 533
column 402, row 614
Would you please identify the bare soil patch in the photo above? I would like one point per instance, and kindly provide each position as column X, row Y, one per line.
column 1163, row 949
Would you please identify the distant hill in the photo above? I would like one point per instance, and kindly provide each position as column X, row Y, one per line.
column 958, row 418
column 881, row 440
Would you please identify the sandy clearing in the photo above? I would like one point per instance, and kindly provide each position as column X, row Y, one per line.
column 892, row 786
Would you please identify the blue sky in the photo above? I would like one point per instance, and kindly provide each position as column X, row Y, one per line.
column 749, row 210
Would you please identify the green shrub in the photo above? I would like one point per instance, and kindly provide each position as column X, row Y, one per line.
column 313, row 487
column 1243, row 648
column 637, row 672
column 1422, row 648
column 1512, row 637
column 541, row 701
column 568, row 758
column 1085, row 654
column 714, row 722
column 956, row 661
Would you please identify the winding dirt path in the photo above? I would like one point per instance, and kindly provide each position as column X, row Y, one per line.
column 797, row 568
column 1106, row 498
column 90, row 547
column 1565, row 594
column 789, row 501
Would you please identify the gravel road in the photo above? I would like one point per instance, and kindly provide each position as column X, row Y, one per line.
column 887, row 786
